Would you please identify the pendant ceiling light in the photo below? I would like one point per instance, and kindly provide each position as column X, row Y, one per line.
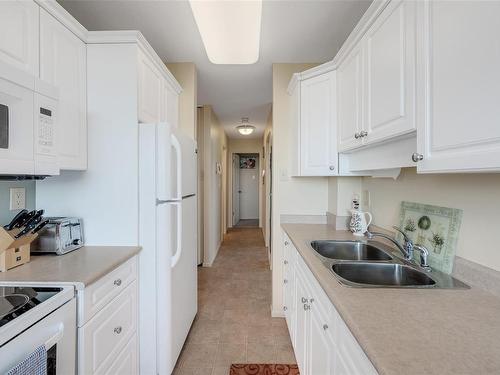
column 245, row 128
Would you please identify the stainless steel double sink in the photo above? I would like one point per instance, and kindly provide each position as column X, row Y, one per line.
column 373, row 265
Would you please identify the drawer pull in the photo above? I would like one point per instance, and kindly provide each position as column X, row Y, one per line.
column 307, row 307
column 325, row 326
column 285, row 262
column 118, row 330
column 304, row 300
column 284, row 308
column 118, row 282
column 286, row 243
column 285, row 281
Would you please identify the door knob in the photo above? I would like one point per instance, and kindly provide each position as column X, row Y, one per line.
column 416, row 157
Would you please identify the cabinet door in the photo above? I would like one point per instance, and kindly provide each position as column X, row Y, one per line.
column 19, row 35
column 390, row 73
column 150, row 91
column 349, row 100
column 318, row 136
column 459, row 56
column 302, row 316
column 63, row 63
column 321, row 343
column 289, row 304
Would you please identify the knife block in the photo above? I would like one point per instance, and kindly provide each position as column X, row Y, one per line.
column 14, row 252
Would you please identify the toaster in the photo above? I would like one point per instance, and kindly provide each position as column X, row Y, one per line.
column 60, row 236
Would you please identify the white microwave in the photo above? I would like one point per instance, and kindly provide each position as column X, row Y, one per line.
column 28, row 125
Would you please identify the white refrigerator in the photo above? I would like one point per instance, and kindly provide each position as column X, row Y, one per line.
column 168, row 234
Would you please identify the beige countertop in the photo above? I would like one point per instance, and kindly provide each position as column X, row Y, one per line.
column 411, row 331
column 81, row 267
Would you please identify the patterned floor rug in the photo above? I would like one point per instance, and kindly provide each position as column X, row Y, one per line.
column 263, row 369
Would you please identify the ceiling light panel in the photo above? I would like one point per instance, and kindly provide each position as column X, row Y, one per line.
column 230, row 30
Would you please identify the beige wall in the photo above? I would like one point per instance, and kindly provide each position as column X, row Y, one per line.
column 478, row 195
column 185, row 74
column 242, row 146
column 302, row 195
column 214, row 146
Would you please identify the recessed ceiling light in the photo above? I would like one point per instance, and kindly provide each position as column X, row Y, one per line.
column 230, row 30
column 245, row 128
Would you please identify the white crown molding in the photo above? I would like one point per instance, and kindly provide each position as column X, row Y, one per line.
column 310, row 73
column 134, row 37
column 62, row 15
column 360, row 29
column 112, row 37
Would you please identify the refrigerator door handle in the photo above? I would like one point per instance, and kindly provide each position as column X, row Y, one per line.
column 163, row 201
column 177, row 147
column 177, row 256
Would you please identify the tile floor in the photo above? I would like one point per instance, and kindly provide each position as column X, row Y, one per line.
column 234, row 323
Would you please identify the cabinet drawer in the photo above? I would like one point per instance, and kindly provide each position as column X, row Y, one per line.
column 126, row 362
column 100, row 293
column 103, row 338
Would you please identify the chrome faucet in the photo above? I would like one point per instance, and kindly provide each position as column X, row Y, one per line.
column 407, row 248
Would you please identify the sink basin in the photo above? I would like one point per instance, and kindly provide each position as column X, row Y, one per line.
column 381, row 274
column 349, row 250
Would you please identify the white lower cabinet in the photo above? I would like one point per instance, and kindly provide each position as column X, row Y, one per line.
column 322, row 342
column 107, row 340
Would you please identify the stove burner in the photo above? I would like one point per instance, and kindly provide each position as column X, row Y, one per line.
column 12, row 303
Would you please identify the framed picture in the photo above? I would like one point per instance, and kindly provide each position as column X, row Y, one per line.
column 434, row 227
column 248, row 162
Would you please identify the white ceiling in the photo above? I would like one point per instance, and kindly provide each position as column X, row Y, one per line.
column 292, row 32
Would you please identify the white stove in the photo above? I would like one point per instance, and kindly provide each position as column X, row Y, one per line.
column 31, row 316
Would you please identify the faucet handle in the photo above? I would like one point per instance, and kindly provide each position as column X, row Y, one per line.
column 424, row 256
column 405, row 236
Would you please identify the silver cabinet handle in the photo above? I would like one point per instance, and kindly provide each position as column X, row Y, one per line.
column 362, row 134
column 285, row 281
column 357, row 135
column 285, row 261
column 307, row 307
column 284, row 308
column 325, row 326
column 117, row 282
column 304, row 300
column 118, row 330
column 286, row 243
column 332, row 168
column 311, row 300
column 416, row 157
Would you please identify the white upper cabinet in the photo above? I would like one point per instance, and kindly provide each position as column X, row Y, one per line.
column 63, row 63
column 313, row 119
column 390, row 73
column 19, row 35
column 349, row 99
column 376, row 81
column 151, row 86
column 459, row 77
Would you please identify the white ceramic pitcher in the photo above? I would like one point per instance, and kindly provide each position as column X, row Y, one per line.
column 358, row 224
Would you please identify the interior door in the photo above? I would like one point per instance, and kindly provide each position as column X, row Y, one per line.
column 249, row 192
column 236, row 189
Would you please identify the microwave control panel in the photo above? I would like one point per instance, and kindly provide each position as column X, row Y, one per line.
column 46, row 132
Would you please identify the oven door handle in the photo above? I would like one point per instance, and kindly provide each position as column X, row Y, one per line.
column 54, row 339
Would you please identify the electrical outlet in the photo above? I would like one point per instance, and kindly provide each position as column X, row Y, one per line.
column 17, row 198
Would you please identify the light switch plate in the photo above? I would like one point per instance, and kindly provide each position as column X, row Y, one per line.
column 17, row 198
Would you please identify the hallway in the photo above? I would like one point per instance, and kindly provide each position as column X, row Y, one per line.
column 234, row 323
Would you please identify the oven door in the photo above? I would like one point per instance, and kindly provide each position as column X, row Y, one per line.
column 57, row 331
